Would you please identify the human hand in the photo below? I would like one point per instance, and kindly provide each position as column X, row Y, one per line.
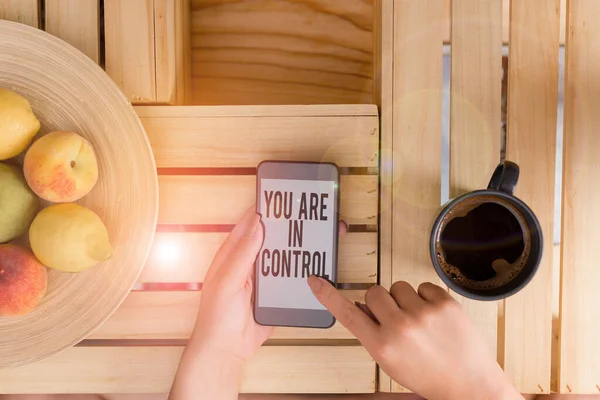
column 225, row 335
column 421, row 340
column 225, row 323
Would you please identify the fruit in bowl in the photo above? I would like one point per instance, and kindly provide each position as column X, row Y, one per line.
column 18, row 124
column 18, row 204
column 69, row 238
column 61, row 167
column 23, row 281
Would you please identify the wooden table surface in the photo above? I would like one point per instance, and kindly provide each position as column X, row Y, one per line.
column 248, row 56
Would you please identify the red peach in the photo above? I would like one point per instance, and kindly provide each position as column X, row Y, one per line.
column 23, row 281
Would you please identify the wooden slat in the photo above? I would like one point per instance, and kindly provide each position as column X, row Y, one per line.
column 383, row 83
column 172, row 45
column 298, row 45
column 208, row 91
column 580, row 298
column 224, row 199
column 76, row 22
column 306, row 51
column 531, row 143
column 504, row 17
column 23, row 11
column 278, row 369
column 259, row 111
column 417, row 138
column 475, row 118
column 129, row 47
column 185, row 257
column 195, row 138
column 171, row 315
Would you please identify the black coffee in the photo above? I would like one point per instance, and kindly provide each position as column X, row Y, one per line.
column 483, row 243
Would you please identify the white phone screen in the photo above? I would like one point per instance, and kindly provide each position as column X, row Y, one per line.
column 300, row 224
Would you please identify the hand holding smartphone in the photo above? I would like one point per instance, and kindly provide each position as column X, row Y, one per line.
column 298, row 204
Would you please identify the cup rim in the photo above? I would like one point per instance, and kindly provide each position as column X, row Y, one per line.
column 433, row 252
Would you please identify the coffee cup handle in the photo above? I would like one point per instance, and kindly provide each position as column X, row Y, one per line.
column 505, row 177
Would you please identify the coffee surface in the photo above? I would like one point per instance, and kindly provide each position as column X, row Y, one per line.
column 483, row 243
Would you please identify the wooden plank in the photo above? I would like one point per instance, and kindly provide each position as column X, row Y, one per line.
column 475, row 108
column 240, row 91
column 307, row 51
column 417, row 137
column 172, row 46
column 503, row 17
column 171, row 315
column 246, row 141
column 289, row 369
column 258, row 111
column 77, row 22
column 580, row 298
column 347, row 148
column 208, row 40
column 186, row 257
column 224, row 199
column 531, row 143
column 383, row 84
column 129, row 47
column 23, row 11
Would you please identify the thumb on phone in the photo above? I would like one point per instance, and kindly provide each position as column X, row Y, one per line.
column 346, row 312
column 240, row 262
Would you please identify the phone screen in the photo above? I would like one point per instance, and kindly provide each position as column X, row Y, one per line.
column 300, row 222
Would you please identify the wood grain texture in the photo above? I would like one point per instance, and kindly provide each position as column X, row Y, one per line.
column 185, row 257
column 580, row 299
column 172, row 46
column 130, row 47
column 475, row 106
column 531, row 143
column 383, row 95
column 259, row 111
column 417, row 138
column 171, row 315
column 23, row 11
column 502, row 16
column 68, row 91
column 224, row 199
column 289, row 369
column 185, row 136
column 282, row 51
column 77, row 22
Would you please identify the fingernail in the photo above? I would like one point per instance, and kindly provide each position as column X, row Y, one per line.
column 253, row 225
column 345, row 224
column 315, row 282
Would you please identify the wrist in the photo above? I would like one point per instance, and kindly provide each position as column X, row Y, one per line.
column 492, row 385
column 495, row 387
column 208, row 372
column 213, row 358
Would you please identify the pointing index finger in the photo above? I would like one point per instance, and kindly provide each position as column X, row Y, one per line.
column 346, row 312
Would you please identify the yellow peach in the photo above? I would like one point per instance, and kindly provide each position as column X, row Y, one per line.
column 69, row 238
column 61, row 167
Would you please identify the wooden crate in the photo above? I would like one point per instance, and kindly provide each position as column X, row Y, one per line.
column 210, row 79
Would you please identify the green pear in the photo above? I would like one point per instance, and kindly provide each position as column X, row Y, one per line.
column 18, row 204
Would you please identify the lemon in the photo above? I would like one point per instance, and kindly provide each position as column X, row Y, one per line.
column 69, row 238
column 18, row 124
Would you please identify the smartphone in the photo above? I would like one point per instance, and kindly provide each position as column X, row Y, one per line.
column 298, row 203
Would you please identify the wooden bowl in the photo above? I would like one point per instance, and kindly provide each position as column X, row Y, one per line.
column 68, row 91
